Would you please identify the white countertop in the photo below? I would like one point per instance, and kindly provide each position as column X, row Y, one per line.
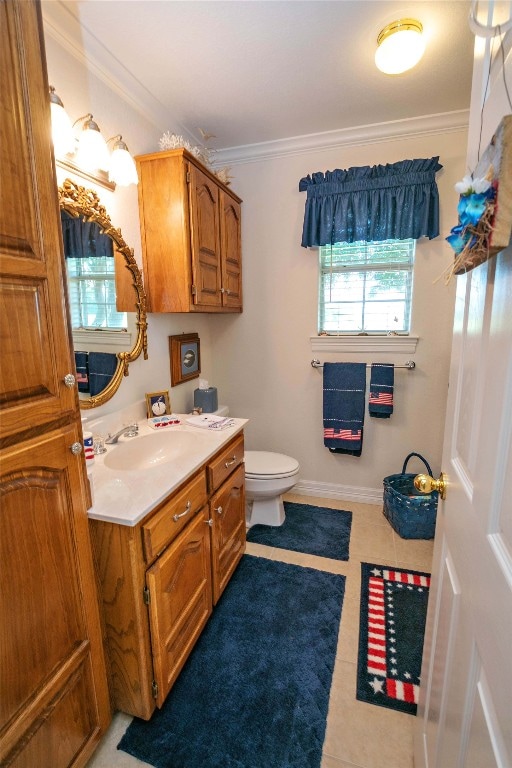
column 125, row 496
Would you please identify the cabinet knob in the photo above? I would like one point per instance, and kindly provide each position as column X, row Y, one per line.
column 76, row 449
column 182, row 514
column 218, row 510
column 69, row 380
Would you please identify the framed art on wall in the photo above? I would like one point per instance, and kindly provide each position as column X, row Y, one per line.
column 157, row 404
column 185, row 356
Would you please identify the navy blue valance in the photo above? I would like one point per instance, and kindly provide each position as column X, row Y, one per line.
column 395, row 201
column 84, row 238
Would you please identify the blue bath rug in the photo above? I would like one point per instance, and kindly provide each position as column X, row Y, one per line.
column 312, row 530
column 391, row 632
column 254, row 692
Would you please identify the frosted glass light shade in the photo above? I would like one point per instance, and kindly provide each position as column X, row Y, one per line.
column 62, row 131
column 92, row 148
column 400, row 46
column 122, row 166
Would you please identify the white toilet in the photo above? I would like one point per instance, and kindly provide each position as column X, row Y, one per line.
column 267, row 477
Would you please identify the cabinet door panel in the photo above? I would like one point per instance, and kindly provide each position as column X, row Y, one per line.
column 204, row 213
column 63, row 727
column 231, row 244
column 36, row 349
column 47, row 595
column 180, row 601
column 228, row 531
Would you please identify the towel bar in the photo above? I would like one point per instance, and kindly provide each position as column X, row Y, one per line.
column 409, row 364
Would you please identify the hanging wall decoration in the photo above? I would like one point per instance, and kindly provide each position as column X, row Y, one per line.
column 485, row 205
column 185, row 356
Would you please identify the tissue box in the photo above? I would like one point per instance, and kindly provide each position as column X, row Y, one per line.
column 206, row 399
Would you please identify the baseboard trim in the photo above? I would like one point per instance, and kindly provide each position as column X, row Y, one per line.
column 340, row 492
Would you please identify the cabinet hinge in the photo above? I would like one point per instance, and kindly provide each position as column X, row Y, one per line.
column 154, row 689
column 193, row 289
column 146, row 596
column 188, row 177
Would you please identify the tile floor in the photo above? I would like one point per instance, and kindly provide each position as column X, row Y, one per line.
column 358, row 735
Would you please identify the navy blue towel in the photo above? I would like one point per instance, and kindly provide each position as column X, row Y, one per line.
column 82, row 371
column 344, row 401
column 102, row 366
column 380, row 403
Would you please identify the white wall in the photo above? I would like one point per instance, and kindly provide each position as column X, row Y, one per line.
column 260, row 360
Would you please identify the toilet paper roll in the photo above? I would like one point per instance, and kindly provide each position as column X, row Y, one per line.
column 88, row 448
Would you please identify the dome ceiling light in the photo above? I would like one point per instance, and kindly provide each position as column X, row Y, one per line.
column 400, row 46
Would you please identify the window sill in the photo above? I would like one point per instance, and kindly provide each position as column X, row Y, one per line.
column 115, row 339
column 400, row 344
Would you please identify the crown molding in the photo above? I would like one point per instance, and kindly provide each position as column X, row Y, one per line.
column 414, row 127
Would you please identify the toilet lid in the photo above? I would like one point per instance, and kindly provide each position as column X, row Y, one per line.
column 267, row 464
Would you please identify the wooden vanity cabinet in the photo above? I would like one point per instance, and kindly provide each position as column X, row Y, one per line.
column 226, row 481
column 191, row 235
column 160, row 579
column 179, row 587
column 227, row 512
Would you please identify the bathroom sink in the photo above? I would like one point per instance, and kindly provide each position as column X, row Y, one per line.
column 150, row 451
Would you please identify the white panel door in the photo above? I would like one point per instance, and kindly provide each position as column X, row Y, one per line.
column 465, row 711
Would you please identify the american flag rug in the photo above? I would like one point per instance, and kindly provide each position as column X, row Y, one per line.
column 392, row 627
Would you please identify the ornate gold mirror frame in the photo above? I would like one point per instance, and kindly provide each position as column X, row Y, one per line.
column 79, row 201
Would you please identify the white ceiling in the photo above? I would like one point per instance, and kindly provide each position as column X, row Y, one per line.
column 253, row 71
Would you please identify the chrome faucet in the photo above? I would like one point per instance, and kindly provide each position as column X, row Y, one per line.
column 128, row 431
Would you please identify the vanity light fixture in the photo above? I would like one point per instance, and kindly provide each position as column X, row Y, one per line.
column 88, row 154
column 92, row 152
column 62, row 130
column 122, row 170
column 400, row 46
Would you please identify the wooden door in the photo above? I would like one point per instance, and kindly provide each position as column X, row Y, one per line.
column 36, row 352
column 54, row 697
column 205, row 237
column 231, row 249
column 180, row 601
column 464, row 715
column 227, row 510
column 54, row 701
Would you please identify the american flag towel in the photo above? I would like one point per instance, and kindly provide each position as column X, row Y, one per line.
column 380, row 403
column 344, row 401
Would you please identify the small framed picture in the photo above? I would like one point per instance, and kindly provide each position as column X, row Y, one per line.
column 157, row 404
column 185, row 357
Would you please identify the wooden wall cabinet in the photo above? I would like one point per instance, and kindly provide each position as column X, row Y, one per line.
column 54, row 703
column 191, row 236
column 160, row 579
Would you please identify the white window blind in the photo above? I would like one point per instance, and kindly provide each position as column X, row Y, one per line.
column 366, row 287
column 92, row 293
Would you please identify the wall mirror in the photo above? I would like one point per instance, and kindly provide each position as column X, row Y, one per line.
column 106, row 295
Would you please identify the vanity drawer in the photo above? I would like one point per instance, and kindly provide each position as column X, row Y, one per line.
column 173, row 516
column 222, row 465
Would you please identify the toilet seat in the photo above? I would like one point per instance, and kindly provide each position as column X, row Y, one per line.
column 265, row 465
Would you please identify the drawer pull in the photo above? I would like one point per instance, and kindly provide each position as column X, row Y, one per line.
column 230, row 462
column 187, row 510
column 218, row 510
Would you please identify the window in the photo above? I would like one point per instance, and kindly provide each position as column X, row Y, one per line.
column 92, row 293
column 366, row 287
